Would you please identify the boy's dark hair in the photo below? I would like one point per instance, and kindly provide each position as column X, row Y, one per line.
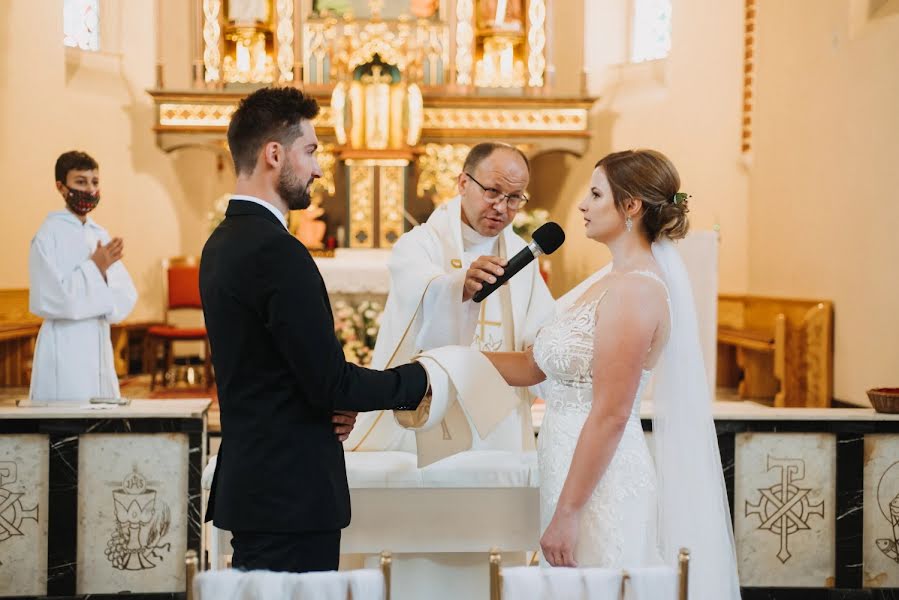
column 268, row 114
column 74, row 160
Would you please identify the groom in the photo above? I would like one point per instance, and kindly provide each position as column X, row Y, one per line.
column 280, row 481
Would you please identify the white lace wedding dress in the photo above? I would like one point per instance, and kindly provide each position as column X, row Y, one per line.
column 618, row 524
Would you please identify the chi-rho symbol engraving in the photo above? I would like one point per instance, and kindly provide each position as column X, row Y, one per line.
column 784, row 508
column 12, row 512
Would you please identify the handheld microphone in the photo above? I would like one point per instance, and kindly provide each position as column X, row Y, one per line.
column 547, row 239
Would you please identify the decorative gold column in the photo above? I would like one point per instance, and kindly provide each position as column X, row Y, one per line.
column 536, row 42
column 464, row 41
column 284, row 35
column 362, row 202
column 212, row 35
column 391, row 201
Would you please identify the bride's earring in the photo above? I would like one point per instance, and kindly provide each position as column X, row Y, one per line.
column 629, row 223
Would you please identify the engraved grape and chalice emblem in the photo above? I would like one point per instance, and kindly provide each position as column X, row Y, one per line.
column 142, row 521
column 888, row 501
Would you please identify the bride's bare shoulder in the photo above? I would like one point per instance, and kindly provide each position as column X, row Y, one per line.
column 637, row 292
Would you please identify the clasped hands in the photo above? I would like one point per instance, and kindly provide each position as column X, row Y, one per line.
column 343, row 421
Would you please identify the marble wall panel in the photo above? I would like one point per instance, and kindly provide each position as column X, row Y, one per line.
column 784, row 501
column 880, row 552
column 132, row 512
column 24, row 487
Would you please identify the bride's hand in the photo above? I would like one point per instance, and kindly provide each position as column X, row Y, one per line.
column 559, row 540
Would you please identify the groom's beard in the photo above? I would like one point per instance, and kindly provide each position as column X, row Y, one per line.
column 292, row 190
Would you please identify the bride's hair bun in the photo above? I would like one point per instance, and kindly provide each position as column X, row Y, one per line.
column 649, row 176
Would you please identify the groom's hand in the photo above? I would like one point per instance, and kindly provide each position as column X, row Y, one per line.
column 343, row 421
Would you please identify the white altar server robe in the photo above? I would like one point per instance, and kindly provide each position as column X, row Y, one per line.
column 73, row 358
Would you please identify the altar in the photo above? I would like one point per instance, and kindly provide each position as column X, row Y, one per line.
column 814, row 498
column 100, row 499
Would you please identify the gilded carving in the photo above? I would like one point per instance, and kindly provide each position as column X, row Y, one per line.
column 440, row 166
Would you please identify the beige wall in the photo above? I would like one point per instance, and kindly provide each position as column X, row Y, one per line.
column 824, row 212
column 53, row 100
column 687, row 106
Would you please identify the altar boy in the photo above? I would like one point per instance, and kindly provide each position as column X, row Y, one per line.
column 78, row 285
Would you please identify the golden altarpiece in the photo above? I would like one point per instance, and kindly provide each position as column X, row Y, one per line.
column 406, row 88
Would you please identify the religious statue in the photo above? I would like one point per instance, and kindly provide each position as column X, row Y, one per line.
column 377, row 103
column 501, row 15
column 377, row 110
column 310, row 229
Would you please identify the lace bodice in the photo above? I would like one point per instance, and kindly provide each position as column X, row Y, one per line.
column 618, row 522
column 564, row 352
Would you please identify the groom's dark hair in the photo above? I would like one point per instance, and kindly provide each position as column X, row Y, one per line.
column 481, row 151
column 266, row 115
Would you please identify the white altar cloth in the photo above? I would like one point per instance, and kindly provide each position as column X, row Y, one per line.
column 356, row 271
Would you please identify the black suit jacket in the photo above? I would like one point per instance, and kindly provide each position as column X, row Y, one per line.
column 281, row 373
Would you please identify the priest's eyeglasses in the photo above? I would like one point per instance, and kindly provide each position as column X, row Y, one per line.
column 494, row 196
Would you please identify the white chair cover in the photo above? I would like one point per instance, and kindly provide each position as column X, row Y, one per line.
column 602, row 583
column 230, row 584
column 534, row 583
column 651, row 583
column 523, row 583
column 562, row 583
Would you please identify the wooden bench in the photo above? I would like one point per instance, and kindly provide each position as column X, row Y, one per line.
column 778, row 349
column 18, row 332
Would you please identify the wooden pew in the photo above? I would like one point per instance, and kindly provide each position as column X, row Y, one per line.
column 18, row 332
column 776, row 348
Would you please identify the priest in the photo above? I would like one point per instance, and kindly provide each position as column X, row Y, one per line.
column 435, row 270
column 78, row 285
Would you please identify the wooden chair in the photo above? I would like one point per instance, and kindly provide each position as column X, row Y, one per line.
column 181, row 291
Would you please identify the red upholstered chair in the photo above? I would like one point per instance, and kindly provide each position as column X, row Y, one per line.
column 181, row 292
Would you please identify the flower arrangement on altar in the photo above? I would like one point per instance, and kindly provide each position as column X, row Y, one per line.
column 357, row 329
column 525, row 223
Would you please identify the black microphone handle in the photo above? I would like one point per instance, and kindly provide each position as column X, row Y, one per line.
column 515, row 264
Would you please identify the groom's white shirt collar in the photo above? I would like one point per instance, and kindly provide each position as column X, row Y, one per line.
column 262, row 202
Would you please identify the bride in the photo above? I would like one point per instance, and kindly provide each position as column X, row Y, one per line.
column 604, row 502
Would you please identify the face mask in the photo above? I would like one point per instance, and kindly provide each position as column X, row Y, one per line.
column 81, row 202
